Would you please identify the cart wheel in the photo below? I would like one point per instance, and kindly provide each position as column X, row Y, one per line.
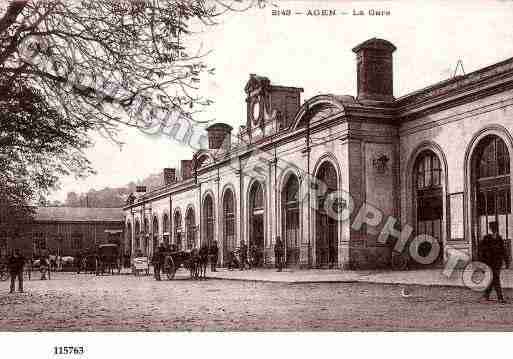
column 170, row 268
column 4, row 275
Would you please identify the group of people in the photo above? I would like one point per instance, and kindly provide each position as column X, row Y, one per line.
column 491, row 252
column 242, row 261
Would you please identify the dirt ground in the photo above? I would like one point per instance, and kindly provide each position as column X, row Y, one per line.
column 84, row 302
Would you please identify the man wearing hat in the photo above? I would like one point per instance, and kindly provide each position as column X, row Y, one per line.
column 278, row 253
column 492, row 253
column 16, row 264
column 158, row 259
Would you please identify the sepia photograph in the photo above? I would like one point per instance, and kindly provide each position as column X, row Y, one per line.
column 242, row 166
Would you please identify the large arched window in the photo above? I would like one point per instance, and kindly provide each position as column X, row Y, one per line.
column 155, row 239
column 146, row 236
column 229, row 222
column 165, row 229
column 326, row 241
column 256, row 213
column 177, row 221
column 190, row 228
column 128, row 239
column 208, row 220
column 290, row 210
column 137, row 236
column 491, row 187
column 429, row 200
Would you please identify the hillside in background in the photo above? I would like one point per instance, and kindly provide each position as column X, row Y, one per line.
column 109, row 197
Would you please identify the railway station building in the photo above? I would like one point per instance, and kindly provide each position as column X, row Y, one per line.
column 437, row 160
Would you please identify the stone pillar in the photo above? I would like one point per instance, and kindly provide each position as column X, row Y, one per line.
column 272, row 214
column 305, row 250
column 218, row 203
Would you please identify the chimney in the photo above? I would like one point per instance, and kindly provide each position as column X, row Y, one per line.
column 169, row 176
column 219, row 136
column 186, row 169
column 374, row 70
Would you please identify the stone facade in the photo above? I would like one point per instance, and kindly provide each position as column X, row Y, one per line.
column 419, row 159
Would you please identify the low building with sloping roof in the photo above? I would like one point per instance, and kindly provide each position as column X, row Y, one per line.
column 66, row 230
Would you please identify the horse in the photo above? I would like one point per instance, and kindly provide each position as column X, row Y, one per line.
column 203, row 261
column 89, row 263
column 193, row 263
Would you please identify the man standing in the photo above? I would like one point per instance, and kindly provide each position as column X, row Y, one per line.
column 214, row 254
column 16, row 264
column 492, row 253
column 157, row 262
column 243, row 255
column 79, row 258
column 278, row 253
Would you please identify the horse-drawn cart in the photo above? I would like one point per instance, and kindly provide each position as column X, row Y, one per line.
column 190, row 260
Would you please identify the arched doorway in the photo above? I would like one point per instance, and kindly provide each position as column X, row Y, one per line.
column 178, row 230
column 165, row 229
column 128, row 242
column 146, row 237
column 326, row 233
column 228, row 223
column 190, row 229
column 137, row 247
column 491, row 189
column 155, row 239
column 290, row 220
column 256, row 212
column 428, row 202
column 208, row 220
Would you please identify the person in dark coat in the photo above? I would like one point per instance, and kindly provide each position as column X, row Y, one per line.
column 213, row 254
column 79, row 258
column 492, row 253
column 16, row 264
column 157, row 261
column 278, row 253
column 243, row 255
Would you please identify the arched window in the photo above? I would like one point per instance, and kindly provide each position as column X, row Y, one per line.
column 326, row 240
column 208, row 220
column 165, row 229
column 229, row 222
column 290, row 200
column 178, row 230
column 256, row 213
column 428, row 171
column 190, row 229
column 146, row 236
column 491, row 188
column 258, row 197
column 429, row 200
column 137, row 236
column 155, row 234
column 128, row 239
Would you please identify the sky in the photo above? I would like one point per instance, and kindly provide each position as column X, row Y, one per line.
column 313, row 52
